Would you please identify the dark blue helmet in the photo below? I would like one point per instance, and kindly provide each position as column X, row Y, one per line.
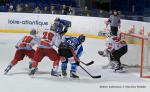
column 57, row 19
column 81, row 38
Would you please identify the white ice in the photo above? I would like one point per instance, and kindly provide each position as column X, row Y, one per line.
column 18, row 79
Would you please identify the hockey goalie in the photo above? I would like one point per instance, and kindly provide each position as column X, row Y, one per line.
column 115, row 49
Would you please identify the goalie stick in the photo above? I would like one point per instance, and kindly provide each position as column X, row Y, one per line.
column 95, row 77
column 87, row 64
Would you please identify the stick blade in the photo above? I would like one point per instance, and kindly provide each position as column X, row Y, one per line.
column 90, row 63
column 96, row 77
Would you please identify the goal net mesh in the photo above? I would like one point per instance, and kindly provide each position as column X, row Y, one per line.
column 138, row 55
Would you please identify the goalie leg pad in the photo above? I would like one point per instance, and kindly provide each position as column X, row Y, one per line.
column 110, row 65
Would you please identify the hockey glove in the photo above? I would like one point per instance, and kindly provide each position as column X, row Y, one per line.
column 16, row 47
column 78, row 63
column 101, row 53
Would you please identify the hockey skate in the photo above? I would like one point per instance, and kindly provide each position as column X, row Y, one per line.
column 64, row 73
column 73, row 75
column 7, row 69
column 119, row 69
column 55, row 73
column 33, row 70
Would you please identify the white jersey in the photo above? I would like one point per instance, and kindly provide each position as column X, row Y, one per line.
column 110, row 41
column 113, row 44
column 57, row 39
column 117, row 45
column 50, row 39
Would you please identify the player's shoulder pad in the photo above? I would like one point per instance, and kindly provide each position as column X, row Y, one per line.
column 65, row 22
column 123, row 42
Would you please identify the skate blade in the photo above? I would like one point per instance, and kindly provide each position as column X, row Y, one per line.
column 71, row 78
column 56, row 75
column 64, row 76
column 120, row 71
column 74, row 78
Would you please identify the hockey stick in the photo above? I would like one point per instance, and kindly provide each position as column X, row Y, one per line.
column 87, row 64
column 95, row 77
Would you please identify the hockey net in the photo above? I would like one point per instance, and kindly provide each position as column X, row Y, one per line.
column 138, row 55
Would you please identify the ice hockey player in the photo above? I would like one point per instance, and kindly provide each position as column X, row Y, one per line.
column 115, row 51
column 110, row 41
column 60, row 26
column 24, row 48
column 50, row 39
column 71, row 48
column 120, row 49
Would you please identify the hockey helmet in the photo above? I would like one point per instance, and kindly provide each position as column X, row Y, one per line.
column 57, row 19
column 81, row 38
column 33, row 32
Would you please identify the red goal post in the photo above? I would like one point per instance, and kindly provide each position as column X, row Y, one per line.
column 140, row 45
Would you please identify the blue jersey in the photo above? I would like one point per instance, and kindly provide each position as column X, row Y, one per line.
column 58, row 27
column 65, row 22
column 72, row 42
column 79, row 51
column 75, row 45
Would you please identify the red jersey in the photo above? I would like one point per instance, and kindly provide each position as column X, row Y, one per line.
column 26, row 41
column 46, row 39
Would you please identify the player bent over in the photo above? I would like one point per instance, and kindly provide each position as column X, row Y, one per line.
column 120, row 49
column 111, row 40
column 24, row 48
column 115, row 51
column 46, row 49
column 71, row 49
column 50, row 39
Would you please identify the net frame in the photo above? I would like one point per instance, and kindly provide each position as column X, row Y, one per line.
column 141, row 49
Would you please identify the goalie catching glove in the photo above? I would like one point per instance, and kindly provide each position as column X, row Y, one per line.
column 101, row 53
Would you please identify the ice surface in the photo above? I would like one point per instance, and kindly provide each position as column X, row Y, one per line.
column 18, row 80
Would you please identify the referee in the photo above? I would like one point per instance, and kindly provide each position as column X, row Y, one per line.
column 114, row 21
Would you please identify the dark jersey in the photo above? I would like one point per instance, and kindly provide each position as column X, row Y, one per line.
column 72, row 42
